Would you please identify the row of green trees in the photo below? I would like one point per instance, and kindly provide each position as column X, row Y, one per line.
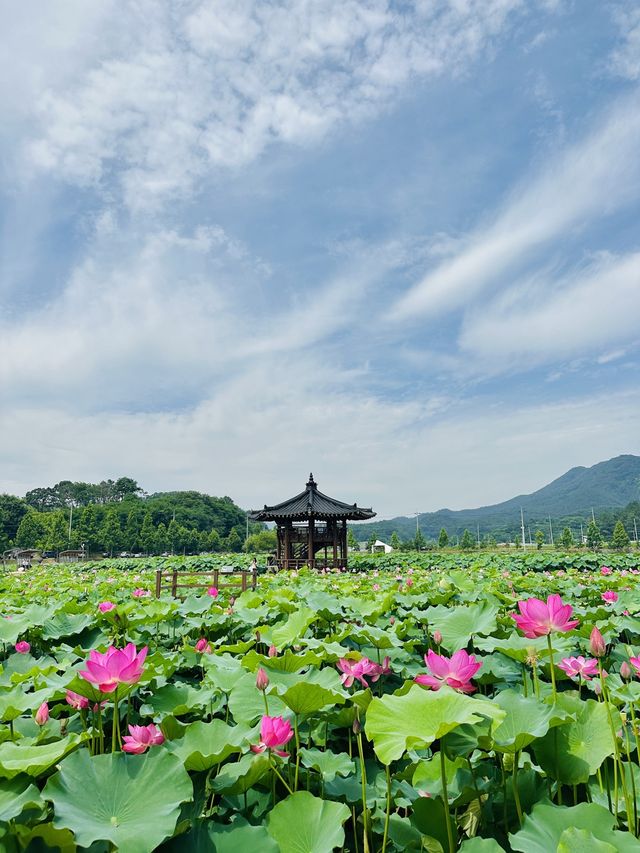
column 594, row 540
column 107, row 532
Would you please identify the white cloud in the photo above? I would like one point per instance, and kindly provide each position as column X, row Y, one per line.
column 178, row 90
column 257, row 438
column 579, row 315
column 625, row 58
column 586, row 181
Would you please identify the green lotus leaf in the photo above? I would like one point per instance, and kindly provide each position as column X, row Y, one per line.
column 205, row 744
column 293, row 628
column 526, row 719
column 237, row 777
column 223, row 671
column 14, row 702
column 482, row 845
column 543, row 828
column 574, row 751
column 239, row 837
column 246, row 702
column 46, row 836
column 33, row 759
column 133, row 801
column 430, row 819
column 306, row 824
column 415, row 720
column 15, row 794
column 329, row 764
column 66, row 625
column 458, row 624
column 177, row 699
column 575, row 840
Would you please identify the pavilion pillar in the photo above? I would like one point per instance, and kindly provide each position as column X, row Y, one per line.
column 334, row 530
column 287, row 544
column 343, row 543
column 311, row 554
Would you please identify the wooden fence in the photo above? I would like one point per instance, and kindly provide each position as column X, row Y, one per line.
column 223, row 580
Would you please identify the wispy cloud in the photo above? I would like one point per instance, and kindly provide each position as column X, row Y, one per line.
column 586, row 181
column 176, row 92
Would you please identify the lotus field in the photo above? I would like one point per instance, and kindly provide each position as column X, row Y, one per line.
column 479, row 707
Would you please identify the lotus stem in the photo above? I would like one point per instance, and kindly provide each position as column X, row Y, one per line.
column 445, row 797
column 516, row 792
column 297, row 734
column 552, row 668
column 388, row 810
column 278, row 774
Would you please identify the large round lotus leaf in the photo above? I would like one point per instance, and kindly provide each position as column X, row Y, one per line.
column 482, row 845
column 15, row 794
column 526, row 720
column 206, row 744
column 398, row 723
column 328, row 763
column 238, row 838
column 575, row 840
column 306, row 824
column 458, row 624
column 33, row 759
column 544, row 827
column 573, row 752
column 293, row 628
column 133, row 801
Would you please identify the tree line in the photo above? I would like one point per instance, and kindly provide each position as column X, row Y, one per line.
column 117, row 515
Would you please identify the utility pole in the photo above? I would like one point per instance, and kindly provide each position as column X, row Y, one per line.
column 593, row 518
column 478, row 536
column 635, row 529
column 524, row 541
column 551, row 531
column 70, row 522
column 581, row 534
column 530, row 540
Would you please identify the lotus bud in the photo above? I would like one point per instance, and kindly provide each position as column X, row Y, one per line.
column 273, row 651
column 262, row 679
column 357, row 728
column 42, row 714
column 392, row 620
column 625, row 670
column 257, row 636
column 597, row 688
column 596, row 643
column 437, row 637
column 232, row 601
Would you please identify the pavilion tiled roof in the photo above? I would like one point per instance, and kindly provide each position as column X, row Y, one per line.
column 309, row 503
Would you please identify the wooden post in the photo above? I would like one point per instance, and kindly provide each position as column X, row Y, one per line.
column 215, row 577
column 284, row 564
column 334, row 524
column 158, row 583
column 343, row 544
column 174, row 583
column 244, row 580
column 311, row 554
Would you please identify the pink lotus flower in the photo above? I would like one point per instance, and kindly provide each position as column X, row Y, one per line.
column 358, row 671
column 212, row 591
column 140, row 738
column 114, row 667
column 106, row 606
column 597, row 644
column 455, row 671
column 625, row 670
column 538, row 619
column 437, row 637
column 274, row 732
column 42, row 714
column 203, row 647
column 23, row 648
column 376, row 587
column 140, row 593
column 610, row 596
column 579, row 667
column 635, row 663
column 76, row 701
column 262, row 679
column 605, row 570
column 409, row 582
column 273, row 651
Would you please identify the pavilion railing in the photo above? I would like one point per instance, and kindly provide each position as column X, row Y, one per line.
column 175, row 580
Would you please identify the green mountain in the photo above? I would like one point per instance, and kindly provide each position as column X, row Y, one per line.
column 568, row 500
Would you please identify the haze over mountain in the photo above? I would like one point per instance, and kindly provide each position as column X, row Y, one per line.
column 570, row 498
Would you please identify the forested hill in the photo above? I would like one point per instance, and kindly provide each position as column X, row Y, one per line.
column 607, row 485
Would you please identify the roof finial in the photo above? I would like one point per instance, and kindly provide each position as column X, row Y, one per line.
column 311, row 482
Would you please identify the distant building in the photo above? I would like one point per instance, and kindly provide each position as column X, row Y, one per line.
column 380, row 547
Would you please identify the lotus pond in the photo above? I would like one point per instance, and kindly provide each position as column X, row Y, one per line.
column 482, row 706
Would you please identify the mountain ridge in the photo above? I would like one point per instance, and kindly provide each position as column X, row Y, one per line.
column 607, row 485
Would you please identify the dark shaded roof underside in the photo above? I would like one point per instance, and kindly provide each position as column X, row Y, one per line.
column 309, row 503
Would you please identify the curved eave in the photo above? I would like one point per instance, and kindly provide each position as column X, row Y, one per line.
column 359, row 514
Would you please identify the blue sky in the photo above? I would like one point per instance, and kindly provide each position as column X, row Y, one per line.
column 395, row 243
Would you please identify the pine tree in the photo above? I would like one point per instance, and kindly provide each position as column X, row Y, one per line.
column 31, row 530
column 371, row 541
column 132, row 532
column 539, row 537
column 203, row 542
column 233, row 542
column 161, row 540
column 352, row 542
column 173, row 535
column 111, row 532
column 566, row 539
column 467, row 543
column 214, row 542
column 419, row 543
column 58, row 534
column 395, row 542
column 147, row 534
column 88, row 528
column 594, row 537
column 620, row 538
column 443, row 538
